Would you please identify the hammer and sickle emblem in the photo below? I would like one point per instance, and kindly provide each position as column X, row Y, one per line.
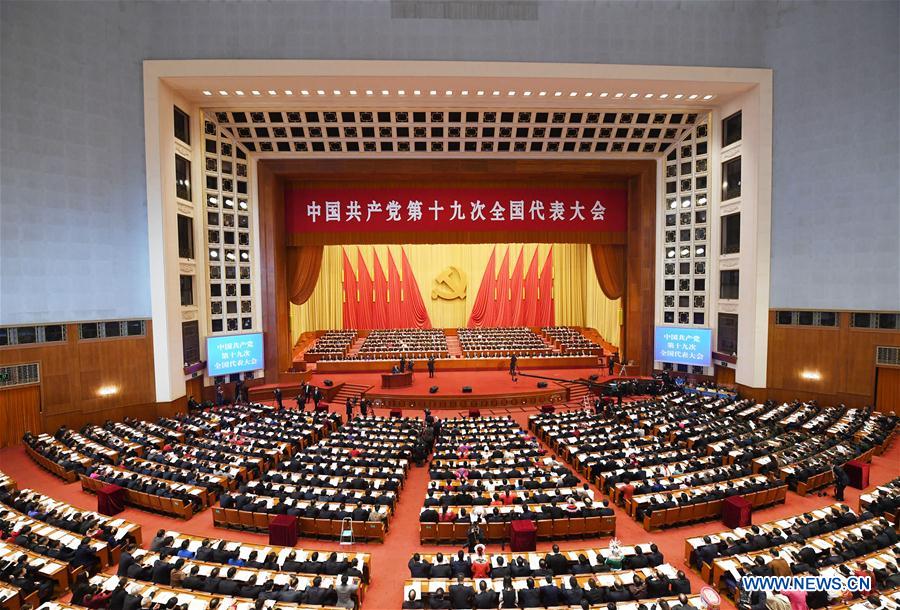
column 449, row 284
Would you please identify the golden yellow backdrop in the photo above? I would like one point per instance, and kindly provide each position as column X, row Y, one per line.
column 576, row 292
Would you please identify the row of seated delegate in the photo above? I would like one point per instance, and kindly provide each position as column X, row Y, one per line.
column 355, row 473
column 405, row 341
column 489, row 471
column 647, row 457
column 308, row 562
column 180, row 466
column 333, row 342
column 501, row 342
column 570, row 339
column 588, row 577
column 46, row 543
column 884, row 500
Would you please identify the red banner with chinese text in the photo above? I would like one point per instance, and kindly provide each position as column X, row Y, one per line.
column 382, row 209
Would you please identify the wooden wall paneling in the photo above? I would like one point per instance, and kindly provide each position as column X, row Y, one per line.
column 887, row 397
column 73, row 371
column 843, row 356
column 20, row 412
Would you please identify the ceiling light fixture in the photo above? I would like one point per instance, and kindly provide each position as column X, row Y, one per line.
column 620, row 94
column 526, row 93
column 678, row 96
column 272, row 92
column 320, row 92
column 254, row 92
column 633, row 95
column 448, row 92
column 288, row 92
column 432, row 92
column 496, row 93
column 352, row 92
column 479, row 92
column 707, row 97
column 207, row 93
column 417, row 92
column 464, row 92
column 648, row 95
column 663, row 96
column 573, row 93
column 693, row 97
column 239, row 92
column 812, row 375
column 557, row 93
column 401, row 92
column 223, row 92
column 589, row 94
column 337, row 91
column 369, row 92
column 604, row 94
column 385, row 92
column 510, row 93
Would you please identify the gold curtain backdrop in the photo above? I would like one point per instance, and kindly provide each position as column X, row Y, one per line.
column 578, row 298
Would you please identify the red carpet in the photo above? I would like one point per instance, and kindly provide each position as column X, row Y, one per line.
column 451, row 382
column 389, row 560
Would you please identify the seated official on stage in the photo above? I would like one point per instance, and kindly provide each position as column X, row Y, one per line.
column 501, row 342
column 333, row 343
column 571, row 340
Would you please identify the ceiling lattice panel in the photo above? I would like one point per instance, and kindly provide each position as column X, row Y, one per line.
column 301, row 131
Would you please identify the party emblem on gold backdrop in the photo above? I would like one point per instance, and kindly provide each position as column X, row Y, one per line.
column 449, row 284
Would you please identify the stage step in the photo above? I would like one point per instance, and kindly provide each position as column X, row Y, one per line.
column 350, row 390
column 453, row 346
column 354, row 349
column 577, row 391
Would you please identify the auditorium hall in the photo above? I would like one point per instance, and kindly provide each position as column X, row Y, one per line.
column 449, row 304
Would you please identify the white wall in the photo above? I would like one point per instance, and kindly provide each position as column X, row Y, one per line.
column 73, row 217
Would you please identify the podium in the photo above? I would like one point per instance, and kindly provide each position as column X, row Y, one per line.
column 736, row 512
column 322, row 407
column 283, row 530
column 547, row 409
column 396, row 380
column 522, row 535
column 396, row 412
column 110, row 500
column 858, row 473
column 474, row 413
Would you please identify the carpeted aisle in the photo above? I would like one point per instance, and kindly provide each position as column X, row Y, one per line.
column 389, row 560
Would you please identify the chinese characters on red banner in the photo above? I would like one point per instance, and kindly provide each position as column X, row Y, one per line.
column 457, row 210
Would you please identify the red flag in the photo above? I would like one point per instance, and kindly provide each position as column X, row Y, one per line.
column 364, row 310
column 379, row 308
column 515, row 309
column 394, row 292
column 530, row 315
column 350, row 297
column 484, row 300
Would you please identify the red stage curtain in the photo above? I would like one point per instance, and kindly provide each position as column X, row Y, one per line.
column 484, row 301
column 350, row 292
column 303, row 266
column 546, row 310
column 394, row 317
column 609, row 265
column 514, row 315
column 414, row 306
column 530, row 315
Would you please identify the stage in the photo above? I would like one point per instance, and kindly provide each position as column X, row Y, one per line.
column 490, row 388
column 461, row 364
